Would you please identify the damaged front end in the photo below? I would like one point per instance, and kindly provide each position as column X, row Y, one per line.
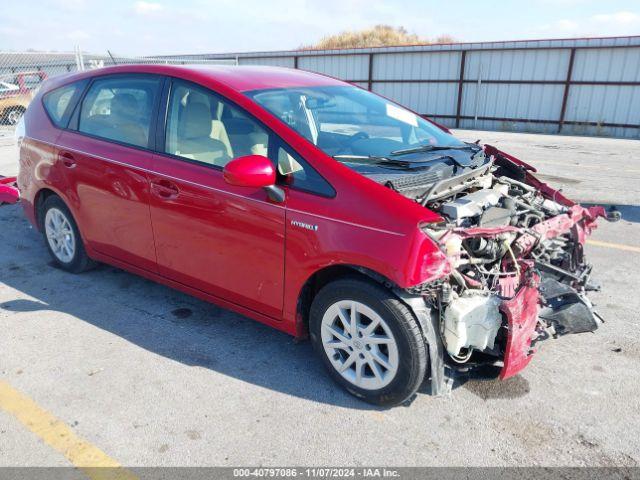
column 515, row 248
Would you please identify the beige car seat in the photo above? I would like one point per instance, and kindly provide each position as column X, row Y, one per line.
column 246, row 137
column 195, row 141
column 122, row 123
column 218, row 132
column 126, row 120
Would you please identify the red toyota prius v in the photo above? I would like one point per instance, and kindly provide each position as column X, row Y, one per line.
column 314, row 206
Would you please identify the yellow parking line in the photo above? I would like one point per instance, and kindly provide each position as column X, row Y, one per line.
column 96, row 464
column 617, row 246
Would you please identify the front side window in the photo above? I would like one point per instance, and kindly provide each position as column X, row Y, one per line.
column 202, row 127
column 346, row 120
column 120, row 109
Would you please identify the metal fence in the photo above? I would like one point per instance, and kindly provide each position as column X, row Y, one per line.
column 571, row 86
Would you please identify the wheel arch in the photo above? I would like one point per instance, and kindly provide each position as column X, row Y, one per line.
column 38, row 202
column 324, row 276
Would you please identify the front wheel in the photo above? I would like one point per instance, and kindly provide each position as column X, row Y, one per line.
column 369, row 341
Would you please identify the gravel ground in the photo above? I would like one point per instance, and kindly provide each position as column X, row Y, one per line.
column 153, row 377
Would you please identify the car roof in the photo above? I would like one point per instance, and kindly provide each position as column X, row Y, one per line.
column 240, row 78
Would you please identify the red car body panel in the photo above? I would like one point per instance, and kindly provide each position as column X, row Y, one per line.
column 522, row 316
column 224, row 240
column 106, row 187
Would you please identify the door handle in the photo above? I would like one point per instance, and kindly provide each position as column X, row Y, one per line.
column 67, row 159
column 164, row 189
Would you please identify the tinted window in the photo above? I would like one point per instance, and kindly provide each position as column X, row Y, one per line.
column 204, row 128
column 120, row 109
column 298, row 174
column 57, row 101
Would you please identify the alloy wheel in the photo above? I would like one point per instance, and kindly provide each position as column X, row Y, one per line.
column 60, row 235
column 359, row 344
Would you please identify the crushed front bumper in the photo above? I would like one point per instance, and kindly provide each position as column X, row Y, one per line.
column 521, row 313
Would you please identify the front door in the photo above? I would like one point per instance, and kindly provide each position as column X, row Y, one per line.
column 223, row 240
column 105, row 162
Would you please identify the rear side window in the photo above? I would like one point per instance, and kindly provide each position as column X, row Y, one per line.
column 120, row 109
column 57, row 102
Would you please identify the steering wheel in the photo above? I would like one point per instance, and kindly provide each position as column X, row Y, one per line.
column 346, row 149
column 357, row 136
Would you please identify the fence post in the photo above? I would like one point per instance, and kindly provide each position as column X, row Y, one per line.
column 463, row 58
column 567, row 86
column 370, row 73
column 477, row 99
column 79, row 61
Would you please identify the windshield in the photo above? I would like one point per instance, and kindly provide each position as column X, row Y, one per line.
column 346, row 120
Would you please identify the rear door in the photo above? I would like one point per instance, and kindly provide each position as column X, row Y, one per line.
column 104, row 157
column 224, row 240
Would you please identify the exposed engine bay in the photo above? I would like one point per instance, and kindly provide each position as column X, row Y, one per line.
column 517, row 269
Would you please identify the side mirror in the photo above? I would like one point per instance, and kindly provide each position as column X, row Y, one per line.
column 253, row 171
column 250, row 171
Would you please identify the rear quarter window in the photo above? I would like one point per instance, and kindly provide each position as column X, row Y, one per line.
column 58, row 102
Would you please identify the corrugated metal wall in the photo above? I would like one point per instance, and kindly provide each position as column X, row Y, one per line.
column 576, row 86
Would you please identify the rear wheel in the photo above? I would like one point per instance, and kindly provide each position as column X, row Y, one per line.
column 369, row 341
column 62, row 237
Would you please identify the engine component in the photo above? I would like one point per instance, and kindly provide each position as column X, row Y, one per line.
column 473, row 204
column 471, row 321
column 496, row 217
column 470, row 205
column 553, row 208
column 487, row 248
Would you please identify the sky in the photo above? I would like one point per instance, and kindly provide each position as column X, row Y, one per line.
column 148, row 27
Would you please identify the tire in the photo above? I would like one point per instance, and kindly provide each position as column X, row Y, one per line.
column 64, row 243
column 396, row 339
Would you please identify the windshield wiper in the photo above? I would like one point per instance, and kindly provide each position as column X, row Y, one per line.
column 430, row 148
column 373, row 159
